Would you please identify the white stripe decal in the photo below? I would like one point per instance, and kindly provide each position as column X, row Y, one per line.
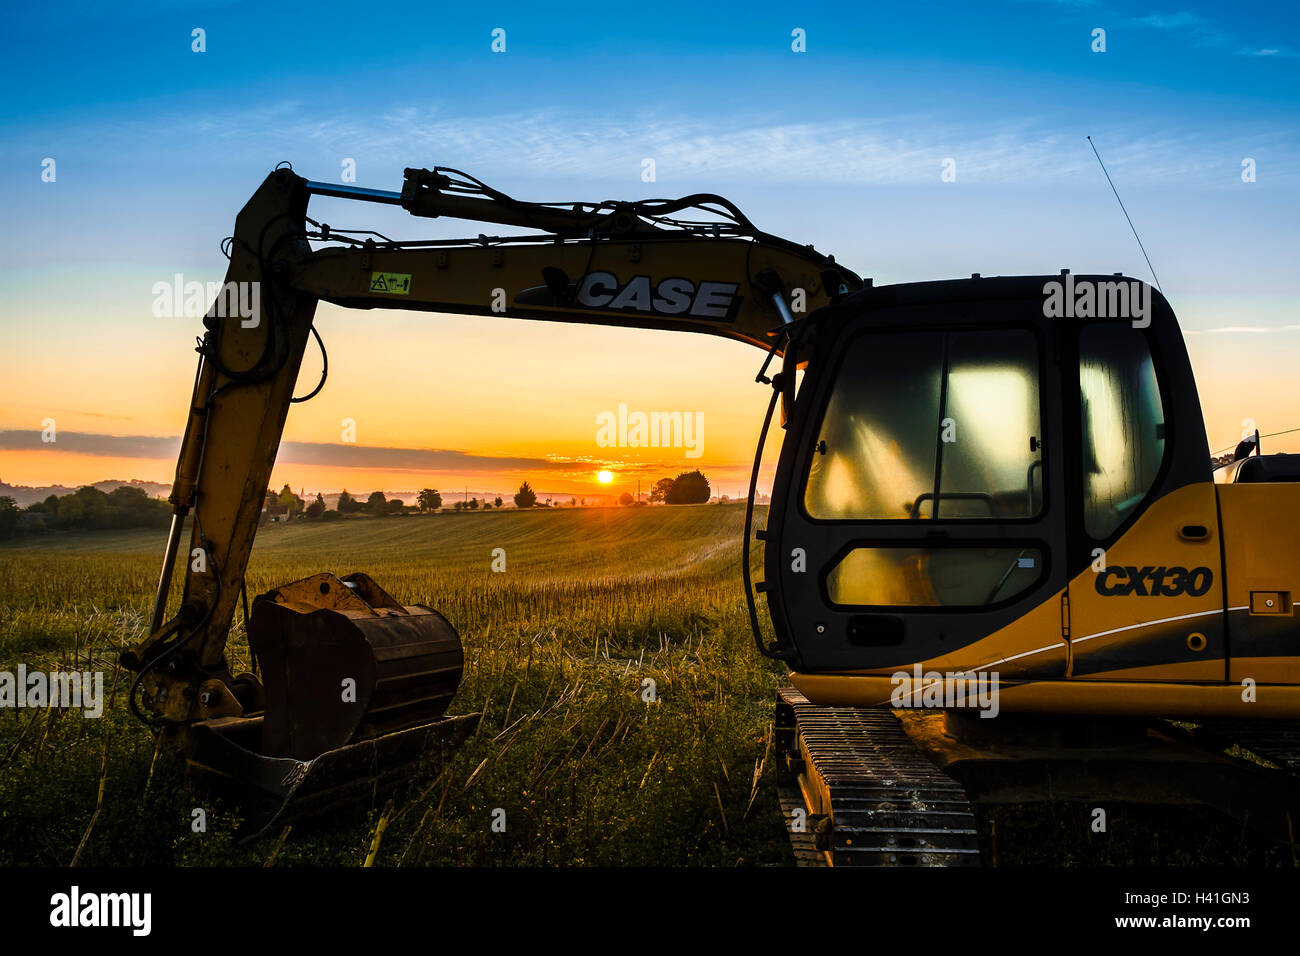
column 1006, row 660
column 1164, row 620
column 1052, row 647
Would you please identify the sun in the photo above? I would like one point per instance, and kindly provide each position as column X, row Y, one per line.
column 604, row 477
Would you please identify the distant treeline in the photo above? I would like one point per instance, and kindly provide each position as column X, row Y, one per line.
column 86, row 509
column 89, row 509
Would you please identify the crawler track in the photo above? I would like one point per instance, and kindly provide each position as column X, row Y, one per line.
column 872, row 799
column 1277, row 741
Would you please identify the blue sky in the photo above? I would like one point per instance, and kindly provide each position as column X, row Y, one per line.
column 842, row 146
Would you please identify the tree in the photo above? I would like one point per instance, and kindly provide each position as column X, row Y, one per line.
column 662, row 488
column 430, row 500
column 526, row 497
column 377, row 504
column 89, row 509
column 473, row 504
column 689, row 488
column 395, row 506
column 289, row 500
column 347, row 504
column 130, row 507
column 317, row 507
column 85, row 508
column 496, row 502
column 8, row 518
column 625, row 499
column 50, row 506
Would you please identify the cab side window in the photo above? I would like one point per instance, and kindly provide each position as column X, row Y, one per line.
column 1122, row 427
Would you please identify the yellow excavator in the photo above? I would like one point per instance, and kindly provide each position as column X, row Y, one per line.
column 1000, row 479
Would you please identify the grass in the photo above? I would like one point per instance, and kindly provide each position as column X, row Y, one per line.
column 593, row 603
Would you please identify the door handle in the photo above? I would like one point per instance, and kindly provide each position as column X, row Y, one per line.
column 1194, row 532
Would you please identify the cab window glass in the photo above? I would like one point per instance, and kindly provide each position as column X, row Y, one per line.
column 933, row 577
column 1123, row 425
column 917, row 418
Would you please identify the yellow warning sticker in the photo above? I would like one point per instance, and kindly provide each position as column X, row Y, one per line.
column 394, row 283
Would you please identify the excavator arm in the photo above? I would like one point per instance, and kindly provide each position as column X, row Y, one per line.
column 615, row 263
column 623, row 264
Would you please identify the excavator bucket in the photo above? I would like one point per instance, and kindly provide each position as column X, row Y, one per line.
column 356, row 690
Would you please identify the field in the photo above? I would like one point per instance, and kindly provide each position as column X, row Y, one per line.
column 592, row 603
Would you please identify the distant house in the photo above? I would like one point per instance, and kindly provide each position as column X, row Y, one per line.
column 273, row 510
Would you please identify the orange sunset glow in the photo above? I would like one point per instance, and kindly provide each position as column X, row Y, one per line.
column 452, row 402
column 473, row 405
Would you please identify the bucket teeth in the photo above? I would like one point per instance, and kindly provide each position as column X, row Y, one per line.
column 221, row 755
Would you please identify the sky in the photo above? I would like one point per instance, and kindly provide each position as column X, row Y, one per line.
column 156, row 147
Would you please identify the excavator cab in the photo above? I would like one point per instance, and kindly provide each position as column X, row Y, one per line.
column 917, row 499
column 972, row 482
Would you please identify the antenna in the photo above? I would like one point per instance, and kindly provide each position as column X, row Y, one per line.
column 1126, row 215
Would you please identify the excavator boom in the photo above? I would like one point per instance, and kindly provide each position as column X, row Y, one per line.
column 620, row 264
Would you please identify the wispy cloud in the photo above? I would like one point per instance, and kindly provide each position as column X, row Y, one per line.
column 91, row 443
column 1201, row 30
column 291, row 453
column 1171, row 21
column 1267, row 51
column 904, row 149
column 1204, row 32
column 409, row 459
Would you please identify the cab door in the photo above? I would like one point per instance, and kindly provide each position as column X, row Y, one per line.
column 1146, row 600
column 917, row 507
